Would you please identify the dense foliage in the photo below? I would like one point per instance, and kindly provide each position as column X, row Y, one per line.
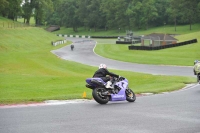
column 104, row 14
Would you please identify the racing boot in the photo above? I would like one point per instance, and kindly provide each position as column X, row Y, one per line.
column 109, row 85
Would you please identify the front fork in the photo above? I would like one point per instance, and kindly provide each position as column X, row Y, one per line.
column 128, row 91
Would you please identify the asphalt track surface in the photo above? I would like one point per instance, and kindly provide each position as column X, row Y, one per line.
column 175, row 112
column 84, row 53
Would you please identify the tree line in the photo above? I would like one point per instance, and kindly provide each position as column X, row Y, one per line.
column 104, row 14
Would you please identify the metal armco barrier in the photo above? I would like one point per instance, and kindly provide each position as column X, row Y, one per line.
column 75, row 36
column 58, row 42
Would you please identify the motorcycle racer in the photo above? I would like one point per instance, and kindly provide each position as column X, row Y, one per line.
column 102, row 73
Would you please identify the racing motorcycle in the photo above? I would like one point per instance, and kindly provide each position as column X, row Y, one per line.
column 119, row 91
column 72, row 47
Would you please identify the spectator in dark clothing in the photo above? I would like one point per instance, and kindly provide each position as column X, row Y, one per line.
column 102, row 73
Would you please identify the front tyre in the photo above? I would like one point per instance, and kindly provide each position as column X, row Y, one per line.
column 130, row 95
column 98, row 97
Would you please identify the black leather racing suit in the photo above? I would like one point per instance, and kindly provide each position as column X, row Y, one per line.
column 102, row 72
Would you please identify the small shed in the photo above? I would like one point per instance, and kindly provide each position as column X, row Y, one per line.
column 157, row 39
column 52, row 28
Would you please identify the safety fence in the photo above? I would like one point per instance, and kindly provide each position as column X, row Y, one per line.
column 132, row 47
column 75, row 36
column 58, row 42
column 15, row 24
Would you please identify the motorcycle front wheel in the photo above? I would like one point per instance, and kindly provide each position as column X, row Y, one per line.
column 130, row 95
column 98, row 97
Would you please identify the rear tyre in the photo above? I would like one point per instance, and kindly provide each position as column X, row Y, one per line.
column 98, row 97
column 130, row 95
column 198, row 78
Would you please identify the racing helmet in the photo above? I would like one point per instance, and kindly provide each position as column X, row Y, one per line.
column 102, row 66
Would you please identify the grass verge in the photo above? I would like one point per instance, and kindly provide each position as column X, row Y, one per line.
column 29, row 72
column 183, row 55
column 169, row 29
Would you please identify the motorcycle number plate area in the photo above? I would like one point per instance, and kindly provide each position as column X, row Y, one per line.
column 118, row 97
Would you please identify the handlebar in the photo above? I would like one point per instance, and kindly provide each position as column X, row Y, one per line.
column 118, row 79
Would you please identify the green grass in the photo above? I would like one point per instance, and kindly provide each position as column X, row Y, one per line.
column 29, row 72
column 183, row 55
column 10, row 24
column 32, row 20
column 83, row 31
column 169, row 29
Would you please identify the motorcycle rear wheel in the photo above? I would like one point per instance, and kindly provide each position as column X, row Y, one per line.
column 98, row 97
column 130, row 95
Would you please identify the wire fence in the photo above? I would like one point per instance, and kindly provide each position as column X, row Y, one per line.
column 15, row 24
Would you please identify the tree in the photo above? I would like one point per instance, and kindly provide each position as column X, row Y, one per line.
column 68, row 13
column 134, row 13
column 189, row 11
column 149, row 12
column 40, row 6
column 27, row 11
column 83, row 12
column 198, row 11
column 115, row 14
column 108, row 7
column 162, row 6
column 95, row 17
column 174, row 11
column 89, row 13
column 11, row 8
column 122, row 19
column 4, row 4
column 53, row 17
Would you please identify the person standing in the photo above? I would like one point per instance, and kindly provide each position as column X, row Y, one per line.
column 196, row 69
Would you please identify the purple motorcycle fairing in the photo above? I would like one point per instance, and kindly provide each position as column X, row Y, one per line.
column 88, row 80
column 121, row 95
